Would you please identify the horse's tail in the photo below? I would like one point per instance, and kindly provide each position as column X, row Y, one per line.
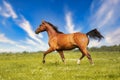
column 95, row 34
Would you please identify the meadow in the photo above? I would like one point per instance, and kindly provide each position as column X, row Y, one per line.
column 28, row 66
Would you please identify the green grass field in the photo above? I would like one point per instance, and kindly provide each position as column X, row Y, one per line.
column 30, row 67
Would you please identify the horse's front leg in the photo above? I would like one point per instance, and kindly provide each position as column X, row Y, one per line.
column 62, row 55
column 45, row 53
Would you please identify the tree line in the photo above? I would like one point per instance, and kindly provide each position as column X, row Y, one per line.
column 106, row 48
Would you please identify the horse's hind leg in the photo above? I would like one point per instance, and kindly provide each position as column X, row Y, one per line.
column 78, row 62
column 85, row 53
column 90, row 59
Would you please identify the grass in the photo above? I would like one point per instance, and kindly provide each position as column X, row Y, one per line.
column 30, row 67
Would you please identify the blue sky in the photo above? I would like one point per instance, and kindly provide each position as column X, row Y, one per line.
column 20, row 18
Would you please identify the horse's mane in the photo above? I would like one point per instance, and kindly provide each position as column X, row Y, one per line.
column 54, row 27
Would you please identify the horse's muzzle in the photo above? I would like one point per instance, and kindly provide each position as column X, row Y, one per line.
column 36, row 32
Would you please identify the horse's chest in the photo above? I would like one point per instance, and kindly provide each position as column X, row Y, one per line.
column 53, row 43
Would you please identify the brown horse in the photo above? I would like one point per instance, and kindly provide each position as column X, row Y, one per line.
column 59, row 41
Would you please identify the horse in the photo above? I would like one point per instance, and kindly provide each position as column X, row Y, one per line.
column 58, row 41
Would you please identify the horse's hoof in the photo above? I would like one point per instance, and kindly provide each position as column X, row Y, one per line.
column 93, row 64
column 78, row 61
column 64, row 62
column 43, row 61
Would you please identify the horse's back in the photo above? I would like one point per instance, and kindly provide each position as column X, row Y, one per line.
column 70, row 41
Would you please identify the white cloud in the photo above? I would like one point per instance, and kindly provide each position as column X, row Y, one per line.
column 4, row 39
column 25, row 25
column 7, row 11
column 69, row 24
column 94, row 43
column 30, row 41
column 0, row 8
column 8, row 45
column 106, row 19
column 105, row 16
column 34, row 46
column 113, row 37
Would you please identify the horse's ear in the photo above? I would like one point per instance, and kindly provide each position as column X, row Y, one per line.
column 43, row 21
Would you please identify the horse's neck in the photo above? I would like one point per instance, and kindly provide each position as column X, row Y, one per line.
column 51, row 32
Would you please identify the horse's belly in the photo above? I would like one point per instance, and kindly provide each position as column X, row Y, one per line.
column 69, row 47
column 66, row 46
column 66, row 42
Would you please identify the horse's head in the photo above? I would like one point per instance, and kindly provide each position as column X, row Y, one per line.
column 41, row 28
